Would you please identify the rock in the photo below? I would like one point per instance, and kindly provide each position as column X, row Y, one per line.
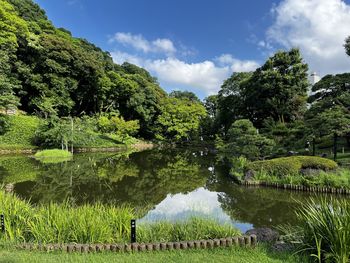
column 249, row 175
column 264, row 234
column 292, row 153
column 310, row 172
column 281, row 246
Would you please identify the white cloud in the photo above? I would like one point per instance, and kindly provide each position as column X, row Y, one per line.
column 317, row 27
column 138, row 42
column 204, row 75
column 237, row 65
column 121, row 57
column 164, row 45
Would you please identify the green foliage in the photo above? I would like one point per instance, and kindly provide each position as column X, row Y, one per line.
column 184, row 95
column 325, row 229
column 116, row 124
column 347, row 46
column 21, row 132
column 291, row 166
column 180, row 120
column 278, row 89
column 106, row 224
column 230, row 101
column 244, row 140
column 329, row 112
column 193, row 229
column 48, row 72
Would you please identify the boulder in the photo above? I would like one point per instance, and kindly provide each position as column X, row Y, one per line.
column 249, row 175
column 264, row 234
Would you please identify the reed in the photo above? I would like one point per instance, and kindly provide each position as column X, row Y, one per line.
column 94, row 223
column 324, row 232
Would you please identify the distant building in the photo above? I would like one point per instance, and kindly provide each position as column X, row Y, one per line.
column 313, row 79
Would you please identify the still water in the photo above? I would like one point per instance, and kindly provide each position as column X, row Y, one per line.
column 172, row 184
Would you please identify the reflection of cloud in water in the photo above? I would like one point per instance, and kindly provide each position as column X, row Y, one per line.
column 201, row 203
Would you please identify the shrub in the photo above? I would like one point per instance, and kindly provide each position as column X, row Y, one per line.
column 289, row 166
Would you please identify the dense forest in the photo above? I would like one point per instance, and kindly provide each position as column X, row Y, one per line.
column 48, row 73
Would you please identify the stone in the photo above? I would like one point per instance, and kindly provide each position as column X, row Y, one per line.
column 281, row 246
column 249, row 175
column 264, row 234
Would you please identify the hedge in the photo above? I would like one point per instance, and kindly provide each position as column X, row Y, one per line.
column 292, row 165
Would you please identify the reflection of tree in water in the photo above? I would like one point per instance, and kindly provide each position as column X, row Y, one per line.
column 139, row 179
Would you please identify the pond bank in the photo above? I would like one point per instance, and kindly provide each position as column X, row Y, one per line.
column 139, row 146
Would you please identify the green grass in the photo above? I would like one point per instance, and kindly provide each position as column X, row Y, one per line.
column 287, row 170
column 21, row 132
column 97, row 223
column 335, row 179
column 224, row 255
column 53, row 153
column 53, row 156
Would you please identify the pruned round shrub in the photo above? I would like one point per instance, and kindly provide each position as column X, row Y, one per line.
column 287, row 166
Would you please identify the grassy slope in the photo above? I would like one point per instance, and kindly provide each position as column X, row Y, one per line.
column 237, row 255
column 22, row 132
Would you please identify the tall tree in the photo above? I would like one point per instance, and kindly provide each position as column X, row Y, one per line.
column 230, row 100
column 277, row 90
column 329, row 113
column 184, row 95
column 180, row 120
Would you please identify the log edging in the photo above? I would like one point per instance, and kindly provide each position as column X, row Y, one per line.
column 315, row 189
column 241, row 241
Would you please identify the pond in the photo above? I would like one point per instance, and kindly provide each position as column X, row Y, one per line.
column 172, row 184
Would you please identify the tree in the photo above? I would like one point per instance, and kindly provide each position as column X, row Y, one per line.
column 179, row 120
column 347, row 46
column 230, row 101
column 330, row 107
column 277, row 90
column 209, row 124
column 244, row 140
column 184, row 95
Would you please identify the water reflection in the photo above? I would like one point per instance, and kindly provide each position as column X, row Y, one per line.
column 173, row 183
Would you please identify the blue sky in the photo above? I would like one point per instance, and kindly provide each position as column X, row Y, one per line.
column 195, row 45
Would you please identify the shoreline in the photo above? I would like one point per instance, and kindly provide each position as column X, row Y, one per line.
column 140, row 146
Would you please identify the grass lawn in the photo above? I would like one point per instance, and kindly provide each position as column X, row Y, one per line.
column 236, row 255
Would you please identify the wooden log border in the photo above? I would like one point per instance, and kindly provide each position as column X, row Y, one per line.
column 313, row 189
column 238, row 241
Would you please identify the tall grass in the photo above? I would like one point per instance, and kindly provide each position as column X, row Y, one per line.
column 192, row 229
column 94, row 223
column 325, row 229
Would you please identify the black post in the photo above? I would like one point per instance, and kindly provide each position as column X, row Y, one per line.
column 335, row 146
column 2, row 223
column 133, row 231
column 313, row 146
